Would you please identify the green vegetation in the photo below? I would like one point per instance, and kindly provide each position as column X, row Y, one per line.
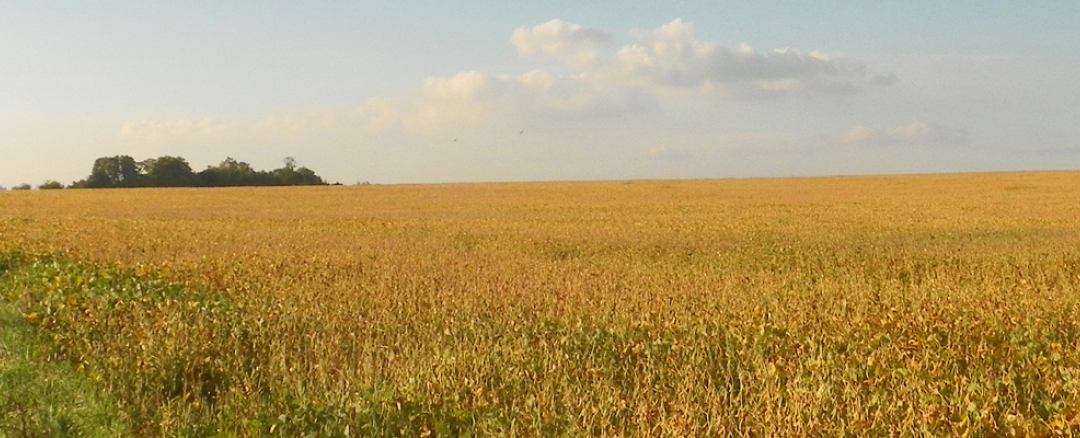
column 42, row 395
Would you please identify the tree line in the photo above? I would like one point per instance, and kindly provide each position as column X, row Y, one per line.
column 123, row 171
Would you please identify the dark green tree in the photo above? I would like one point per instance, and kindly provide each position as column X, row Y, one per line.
column 168, row 172
column 108, row 172
column 50, row 185
column 228, row 174
column 291, row 175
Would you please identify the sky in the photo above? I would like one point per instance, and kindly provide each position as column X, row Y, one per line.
column 435, row 91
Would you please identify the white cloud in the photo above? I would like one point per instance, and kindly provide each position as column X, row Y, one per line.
column 663, row 64
column 461, row 87
column 463, row 98
column 662, row 68
column 466, row 98
column 568, row 42
column 918, row 133
column 473, row 98
column 671, row 57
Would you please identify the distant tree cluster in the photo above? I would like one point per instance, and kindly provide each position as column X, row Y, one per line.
column 124, row 171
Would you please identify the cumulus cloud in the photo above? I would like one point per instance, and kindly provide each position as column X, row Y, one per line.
column 671, row 57
column 466, row 97
column 568, row 42
column 663, row 63
column 660, row 65
column 918, row 133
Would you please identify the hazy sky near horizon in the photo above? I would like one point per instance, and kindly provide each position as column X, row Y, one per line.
column 419, row 92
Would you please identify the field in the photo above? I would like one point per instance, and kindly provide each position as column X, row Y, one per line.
column 937, row 305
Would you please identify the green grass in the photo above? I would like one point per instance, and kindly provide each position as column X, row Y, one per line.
column 43, row 398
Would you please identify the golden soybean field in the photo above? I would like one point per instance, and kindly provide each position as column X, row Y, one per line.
column 937, row 305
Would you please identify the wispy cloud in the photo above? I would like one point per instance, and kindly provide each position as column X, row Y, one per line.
column 918, row 133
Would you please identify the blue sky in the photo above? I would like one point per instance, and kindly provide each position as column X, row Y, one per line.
column 417, row 92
